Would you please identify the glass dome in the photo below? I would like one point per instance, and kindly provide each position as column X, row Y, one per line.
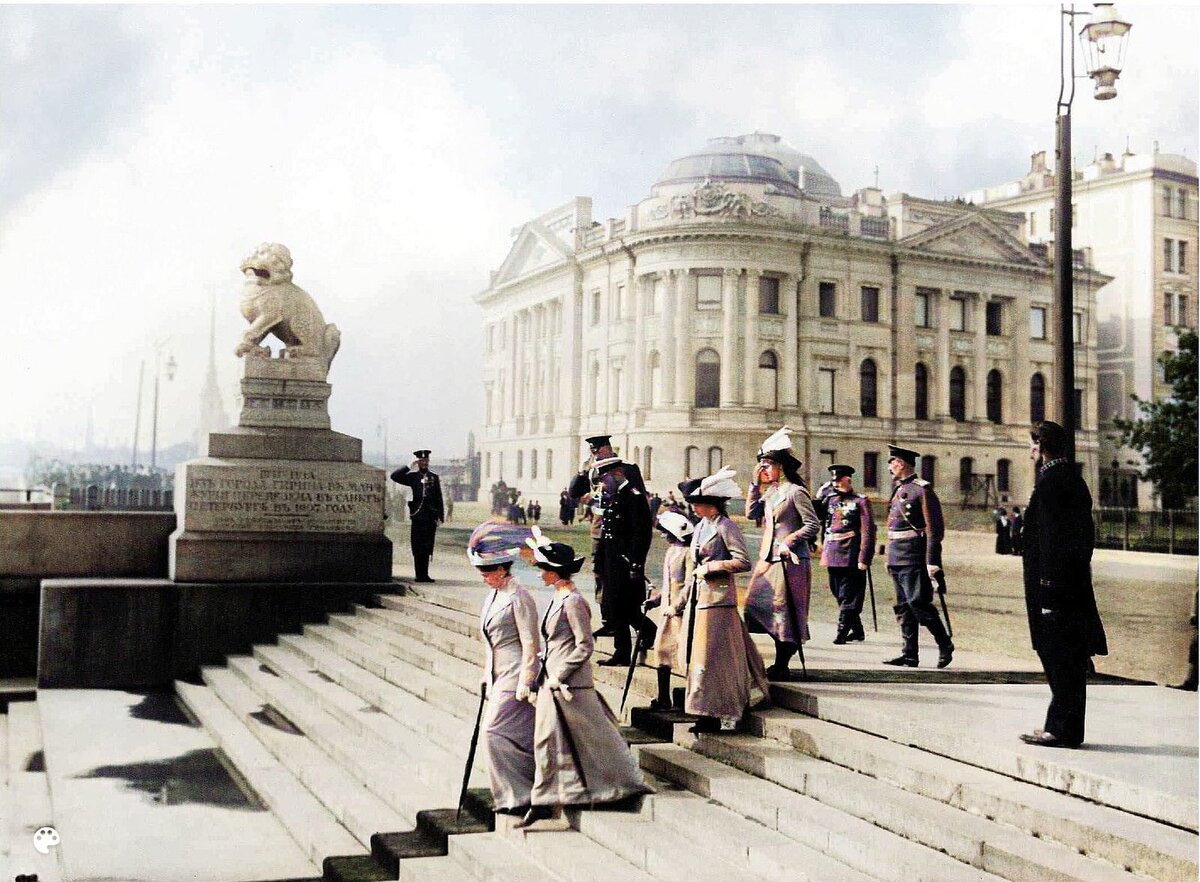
column 759, row 157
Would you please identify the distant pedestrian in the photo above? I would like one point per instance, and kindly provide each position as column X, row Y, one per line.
column 536, row 511
column 1064, row 623
column 529, row 512
column 1003, row 540
column 566, row 509
column 1016, row 526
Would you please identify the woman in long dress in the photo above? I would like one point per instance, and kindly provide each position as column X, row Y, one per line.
column 677, row 530
column 724, row 669
column 508, row 623
column 781, row 584
column 581, row 757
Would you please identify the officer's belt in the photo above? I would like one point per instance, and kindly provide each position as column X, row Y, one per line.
column 904, row 534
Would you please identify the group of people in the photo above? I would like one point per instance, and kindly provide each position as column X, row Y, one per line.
column 1009, row 530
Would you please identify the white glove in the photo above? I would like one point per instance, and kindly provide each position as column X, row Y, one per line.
column 861, row 565
column 522, row 692
column 703, row 570
column 669, row 612
column 553, row 683
column 933, row 569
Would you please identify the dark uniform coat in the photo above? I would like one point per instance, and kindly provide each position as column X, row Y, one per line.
column 425, row 510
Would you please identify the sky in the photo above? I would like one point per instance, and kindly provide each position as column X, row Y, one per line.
column 145, row 150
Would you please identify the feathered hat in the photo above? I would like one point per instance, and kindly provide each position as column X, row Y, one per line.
column 556, row 556
column 675, row 526
column 716, row 488
column 494, row 543
column 778, row 448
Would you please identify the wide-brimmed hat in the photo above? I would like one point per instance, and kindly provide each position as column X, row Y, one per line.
column 675, row 525
column 717, row 488
column 778, row 448
column 493, row 543
column 556, row 556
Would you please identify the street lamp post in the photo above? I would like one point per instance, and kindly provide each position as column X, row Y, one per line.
column 1103, row 41
column 170, row 366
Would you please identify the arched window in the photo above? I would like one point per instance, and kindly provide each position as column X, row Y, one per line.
column 966, row 466
column 1037, row 398
column 708, row 378
column 1003, row 469
column 637, row 456
column 995, row 393
column 716, row 458
column 921, row 375
column 520, row 463
column 549, row 463
column 929, row 468
column 691, row 462
column 533, row 464
column 649, row 464
column 654, row 373
column 958, row 393
column 867, row 375
column 768, row 380
column 594, row 388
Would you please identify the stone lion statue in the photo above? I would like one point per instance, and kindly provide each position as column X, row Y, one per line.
column 274, row 305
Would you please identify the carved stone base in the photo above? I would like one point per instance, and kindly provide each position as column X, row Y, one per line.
column 280, row 557
column 293, row 404
column 306, row 444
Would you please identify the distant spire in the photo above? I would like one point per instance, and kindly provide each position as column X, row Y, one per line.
column 213, row 417
column 877, row 177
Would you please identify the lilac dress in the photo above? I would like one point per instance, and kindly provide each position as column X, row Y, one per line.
column 508, row 623
column 777, row 602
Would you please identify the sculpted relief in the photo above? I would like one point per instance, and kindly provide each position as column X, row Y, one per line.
column 712, row 199
column 273, row 304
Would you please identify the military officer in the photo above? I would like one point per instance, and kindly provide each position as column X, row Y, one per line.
column 425, row 509
column 848, row 551
column 620, row 550
column 914, row 556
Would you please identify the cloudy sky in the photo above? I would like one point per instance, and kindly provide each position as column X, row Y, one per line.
column 145, row 150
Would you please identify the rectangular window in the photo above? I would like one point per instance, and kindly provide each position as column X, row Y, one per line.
column 1051, row 220
column 1077, row 328
column 825, row 390
column 1037, row 322
column 1181, row 314
column 1168, row 309
column 870, row 469
column 1074, row 215
column 708, row 292
column 654, row 297
column 1032, row 224
column 829, row 457
column 1181, row 257
column 618, row 303
column 596, row 307
column 827, row 299
column 1181, row 203
column 923, row 315
column 1169, row 255
column 1078, row 407
column 1166, row 201
column 768, row 295
column 870, row 304
column 995, row 318
column 958, row 314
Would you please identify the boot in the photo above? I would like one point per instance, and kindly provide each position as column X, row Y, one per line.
column 536, row 813
column 663, row 701
column 706, row 725
column 854, row 631
column 843, row 629
column 908, row 633
column 421, row 566
column 945, row 653
column 783, row 655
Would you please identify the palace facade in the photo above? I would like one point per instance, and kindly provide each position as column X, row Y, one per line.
column 746, row 293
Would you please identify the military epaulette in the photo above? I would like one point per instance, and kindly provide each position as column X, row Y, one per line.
column 921, row 482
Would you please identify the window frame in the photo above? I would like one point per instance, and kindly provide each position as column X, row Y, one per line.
column 824, row 374
column 706, row 305
column 765, row 283
column 993, row 318
column 1044, row 313
column 868, row 306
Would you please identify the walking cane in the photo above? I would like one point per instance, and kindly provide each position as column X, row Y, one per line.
column 791, row 603
column 691, row 623
column 633, row 661
column 871, row 588
column 941, row 590
column 462, row 793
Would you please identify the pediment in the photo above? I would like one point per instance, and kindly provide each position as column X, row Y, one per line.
column 535, row 248
column 976, row 238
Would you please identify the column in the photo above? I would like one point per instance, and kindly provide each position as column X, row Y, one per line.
column 1019, row 369
column 685, row 296
column 730, row 397
column 667, row 341
column 570, row 391
column 979, row 316
column 789, row 370
column 941, row 407
column 635, row 286
column 750, row 357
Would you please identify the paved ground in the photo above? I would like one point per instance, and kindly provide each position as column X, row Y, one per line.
column 1145, row 600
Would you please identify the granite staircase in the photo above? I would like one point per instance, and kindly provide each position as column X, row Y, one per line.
column 354, row 734
column 24, row 794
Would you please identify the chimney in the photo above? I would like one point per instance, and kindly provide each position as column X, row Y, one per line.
column 1037, row 162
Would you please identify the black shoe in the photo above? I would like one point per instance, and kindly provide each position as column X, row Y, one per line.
column 705, row 726
column 615, row 661
column 1046, row 739
column 856, row 637
column 779, row 672
column 606, row 630
column 841, row 638
column 901, row 661
column 536, row 813
column 657, row 704
column 517, row 810
column 422, row 579
column 945, row 655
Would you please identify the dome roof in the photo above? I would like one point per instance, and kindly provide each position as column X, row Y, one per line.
column 759, row 158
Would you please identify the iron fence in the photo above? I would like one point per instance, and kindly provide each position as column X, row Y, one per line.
column 1169, row 532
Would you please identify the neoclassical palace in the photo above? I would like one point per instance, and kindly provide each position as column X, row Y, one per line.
column 745, row 293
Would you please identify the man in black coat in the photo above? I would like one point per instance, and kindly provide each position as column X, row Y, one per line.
column 618, row 490
column 425, row 509
column 1065, row 626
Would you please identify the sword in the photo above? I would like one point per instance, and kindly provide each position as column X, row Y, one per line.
column 462, row 793
column 692, row 623
column 871, row 588
column 941, row 590
column 633, row 659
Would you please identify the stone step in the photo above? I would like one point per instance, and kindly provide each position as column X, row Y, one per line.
column 573, row 857
column 29, row 794
column 346, row 797
column 487, row 857
column 972, row 839
column 1126, row 840
column 386, row 792
column 377, row 735
column 433, row 869
column 462, row 623
column 435, row 725
column 1053, row 770
column 452, row 697
column 314, row 828
column 449, row 642
column 5, row 802
column 847, row 839
column 417, row 652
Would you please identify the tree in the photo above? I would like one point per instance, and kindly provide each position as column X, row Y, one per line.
column 1165, row 431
